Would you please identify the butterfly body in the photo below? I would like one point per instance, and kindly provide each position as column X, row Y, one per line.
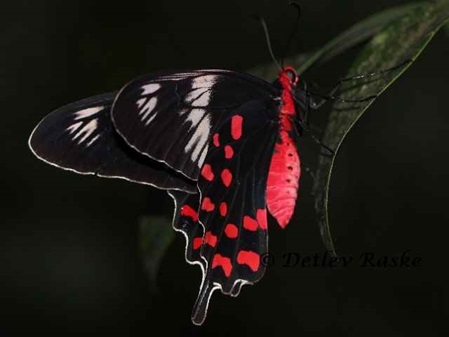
column 222, row 143
column 285, row 169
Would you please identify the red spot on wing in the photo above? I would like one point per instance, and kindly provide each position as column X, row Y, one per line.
column 210, row 239
column 188, row 211
column 197, row 242
column 207, row 173
column 223, row 262
column 226, row 177
column 261, row 217
column 236, row 126
column 251, row 259
column 229, row 151
column 231, row 231
column 249, row 223
column 207, row 205
column 223, row 209
column 216, row 139
column 260, row 221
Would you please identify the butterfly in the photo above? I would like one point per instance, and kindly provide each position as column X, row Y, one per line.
column 223, row 144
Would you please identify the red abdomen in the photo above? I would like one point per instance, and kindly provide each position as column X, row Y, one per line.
column 283, row 180
column 285, row 169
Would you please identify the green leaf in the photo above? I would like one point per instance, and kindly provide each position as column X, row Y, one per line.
column 359, row 32
column 446, row 28
column 403, row 39
column 156, row 235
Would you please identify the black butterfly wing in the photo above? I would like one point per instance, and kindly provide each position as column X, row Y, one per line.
column 164, row 130
column 80, row 137
column 171, row 117
column 185, row 220
column 233, row 203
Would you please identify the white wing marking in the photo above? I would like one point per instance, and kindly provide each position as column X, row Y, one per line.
column 72, row 128
column 202, row 133
column 150, row 88
column 87, row 130
column 195, row 116
column 148, row 108
column 201, row 90
column 182, row 111
column 141, row 102
column 87, row 112
column 93, row 140
column 203, row 156
column 150, row 120
column 199, row 138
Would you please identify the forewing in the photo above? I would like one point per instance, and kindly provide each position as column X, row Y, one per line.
column 171, row 117
column 80, row 137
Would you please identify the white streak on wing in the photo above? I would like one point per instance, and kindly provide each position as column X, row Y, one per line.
column 150, row 88
column 141, row 102
column 93, row 140
column 203, row 130
column 203, row 100
column 201, row 91
column 203, row 156
column 182, row 111
column 87, row 130
column 195, row 116
column 87, row 112
column 148, row 108
column 150, row 120
column 199, row 138
column 194, row 95
column 205, row 82
column 72, row 128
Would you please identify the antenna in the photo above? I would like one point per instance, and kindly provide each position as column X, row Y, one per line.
column 267, row 37
column 294, row 30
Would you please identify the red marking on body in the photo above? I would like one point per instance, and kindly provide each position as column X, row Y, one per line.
column 223, row 209
column 229, row 151
column 251, row 259
column 216, row 139
column 288, row 103
column 223, row 262
column 261, row 216
column 249, row 223
column 207, row 205
column 285, row 168
column 283, row 180
column 226, row 177
column 188, row 211
column 231, row 231
column 210, row 239
column 197, row 242
column 207, row 173
column 236, row 126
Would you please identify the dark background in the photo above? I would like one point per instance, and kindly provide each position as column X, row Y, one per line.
column 69, row 255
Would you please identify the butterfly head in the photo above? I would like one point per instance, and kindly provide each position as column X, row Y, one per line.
column 288, row 77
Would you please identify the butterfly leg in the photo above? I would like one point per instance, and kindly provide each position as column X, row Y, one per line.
column 322, row 99
column 305, row 128
column 329, row 153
